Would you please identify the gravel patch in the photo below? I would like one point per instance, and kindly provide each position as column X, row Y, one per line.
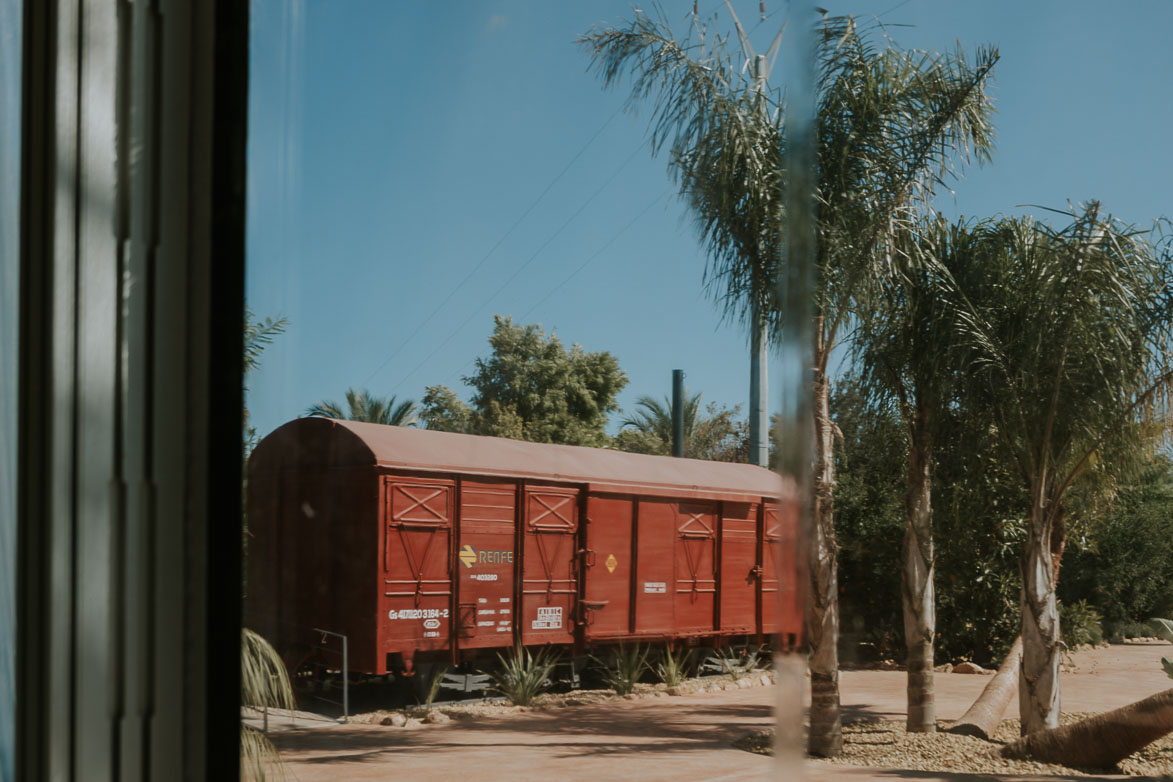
column 479, row 709
column 885, row 744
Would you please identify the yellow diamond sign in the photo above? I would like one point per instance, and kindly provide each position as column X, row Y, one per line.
column 611, row 563
column 468, row 556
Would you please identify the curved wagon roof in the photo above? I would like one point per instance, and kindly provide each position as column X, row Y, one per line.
column 323, row 443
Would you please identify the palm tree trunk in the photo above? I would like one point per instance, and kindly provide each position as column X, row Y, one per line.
column 1101, row 741
column 983, row 716
column 920, row 620
column 986, row 712
column 822, row 621
column 1038, row 681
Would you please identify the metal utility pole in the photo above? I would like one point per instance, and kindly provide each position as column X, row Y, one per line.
column 759, row 372
column 759, row 354
column 678, row 412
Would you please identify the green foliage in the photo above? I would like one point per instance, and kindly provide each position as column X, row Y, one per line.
column 264, row 682
column 1162, row 628
column 737, row 663
column 623, row 667
column 522, row 675
column 1119, row 631
column 978, row 531
column 673, row 667
column 363, row 406
column 259, row 760
column 1167, row 664
column 443, row 411
column 532, row 388
column 1123, row 564
column 432, row 688
column 712, row 433
column 869, row 522
column 1081, row 624
column 258, row 335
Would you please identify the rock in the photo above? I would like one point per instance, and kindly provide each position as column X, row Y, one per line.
column 675, row 691
column 630, row 696
column 968, row 667
column 744, row 683
column 395, row 720
column 412, row 723
column 434, row 717
column 946, row 668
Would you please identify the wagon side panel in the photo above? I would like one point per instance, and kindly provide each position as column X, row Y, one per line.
column 485, row 560
column 696, row 568
column 607, row 592
column 655, row 578
column 416, row 564
column 739, row 567
column 549, row 564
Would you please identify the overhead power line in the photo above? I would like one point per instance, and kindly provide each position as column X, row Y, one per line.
column 583, row 266
column 419, row 327
column 477, row 311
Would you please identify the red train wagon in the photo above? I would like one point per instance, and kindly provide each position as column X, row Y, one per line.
column 426, row 546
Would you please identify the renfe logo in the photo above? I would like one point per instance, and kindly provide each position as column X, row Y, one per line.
column 469, row 556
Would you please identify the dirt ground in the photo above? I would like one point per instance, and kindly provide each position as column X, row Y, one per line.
column 669, row 738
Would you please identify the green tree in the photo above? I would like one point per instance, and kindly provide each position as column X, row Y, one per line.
column 442, row 410
column 1069, row 331
column 362, row 406
column 869, row 518
column 1124, row 564
column 892, row 124
column 908, row 350
column 532, row 388
column 713, row 433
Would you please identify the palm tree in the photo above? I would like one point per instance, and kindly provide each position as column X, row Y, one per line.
column 1101, row 741
column 361, row 406
column 709, row 433
column 891, row 125
column 264, row 683
column 1068, row 332
column 907, row 352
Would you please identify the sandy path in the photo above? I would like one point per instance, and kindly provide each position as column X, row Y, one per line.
column 678, row 739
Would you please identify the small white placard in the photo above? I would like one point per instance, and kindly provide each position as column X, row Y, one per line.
column 655, row 587
column 549, row 618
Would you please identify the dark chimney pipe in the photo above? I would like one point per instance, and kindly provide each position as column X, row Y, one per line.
column 678, row 412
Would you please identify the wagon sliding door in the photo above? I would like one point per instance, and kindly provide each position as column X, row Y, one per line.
column 739, row 567
column 417, row 559
column 696, row 579
column 773, row 536
column 549, row 582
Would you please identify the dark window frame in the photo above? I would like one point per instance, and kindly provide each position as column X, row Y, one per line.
column 163, row 425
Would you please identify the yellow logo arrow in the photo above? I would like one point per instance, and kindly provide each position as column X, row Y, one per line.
column 468, row 556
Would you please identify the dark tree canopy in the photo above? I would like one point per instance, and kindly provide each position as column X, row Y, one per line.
column 531, row 387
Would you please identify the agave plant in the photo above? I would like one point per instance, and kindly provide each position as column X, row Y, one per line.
column 673, row 667
column 522, row 675
column 623, row 667
column 264, row 683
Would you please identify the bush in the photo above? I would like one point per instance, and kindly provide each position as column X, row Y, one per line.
column 1125, row 567
column 1080, row 624
column 1118, row 631
column 521, row 676
column 978, row 528
column 623, row 667
column 673, row 667
column 737, row 663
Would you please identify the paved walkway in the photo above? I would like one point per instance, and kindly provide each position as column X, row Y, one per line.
column 679, row 739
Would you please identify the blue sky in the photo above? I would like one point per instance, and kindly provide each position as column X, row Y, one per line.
column 398, row 150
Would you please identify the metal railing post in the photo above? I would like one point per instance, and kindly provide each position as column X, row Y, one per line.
column 345, row 673
column 345, row 685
